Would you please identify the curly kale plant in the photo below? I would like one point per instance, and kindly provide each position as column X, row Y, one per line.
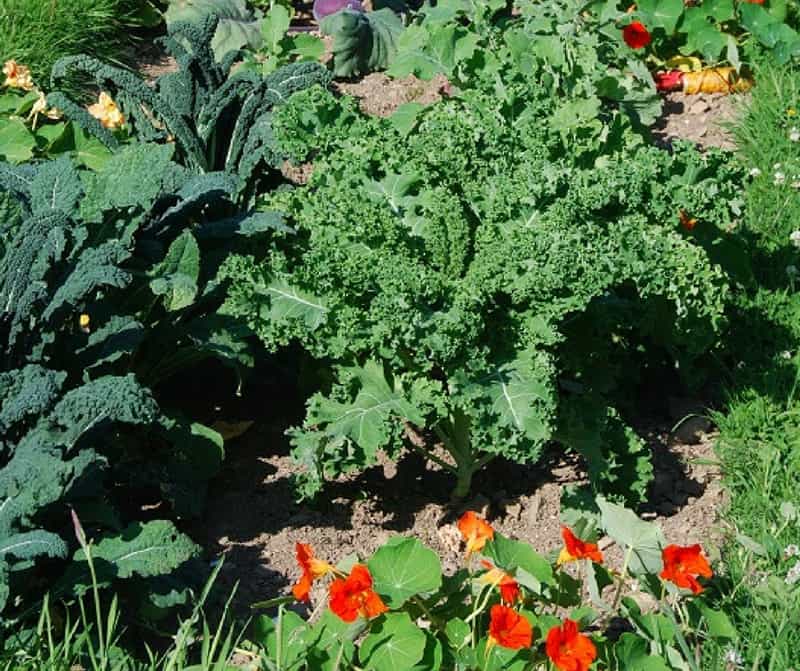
column 106, row 289
column 480, row 288
column 217, row 121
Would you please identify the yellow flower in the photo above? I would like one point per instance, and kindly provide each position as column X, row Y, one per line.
column 791, row 112
column 105, row 110
column 84, row 321
column 17, row 76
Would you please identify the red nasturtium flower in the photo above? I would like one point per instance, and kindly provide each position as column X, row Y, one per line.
column 353, row 596
column 636, row 36
column 475, row 530
column 509, row 629
column 509, row 588
column 312, row 569
column 569, row 649
column 682, row 565
column 575, row 548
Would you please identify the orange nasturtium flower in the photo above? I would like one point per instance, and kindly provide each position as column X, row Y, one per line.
column 105, row 110
column 508, row 629
column 682, row 565
column 353, row 596
column 17, row 76
column 575, row 548
column 509, row 588
column 312, row 569
column 475, row 530
column 568, row 649
column 636, row 36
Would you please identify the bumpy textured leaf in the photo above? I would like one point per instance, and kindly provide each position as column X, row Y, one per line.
column 108, row 398
column 97, row 267
column 141, row 549
column 56, row 187
column 27, row 393
column 134, row 177
column 31, row 544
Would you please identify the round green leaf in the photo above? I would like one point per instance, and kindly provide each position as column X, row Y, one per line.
column 403, row 568
column 394, row 644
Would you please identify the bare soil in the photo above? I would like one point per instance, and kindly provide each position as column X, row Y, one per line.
column 255, row 521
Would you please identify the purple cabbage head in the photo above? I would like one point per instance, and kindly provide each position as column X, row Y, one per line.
column 323, row 8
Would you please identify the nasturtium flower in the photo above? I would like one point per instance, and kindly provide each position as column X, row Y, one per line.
column 508, row 628
column 668, row 81
column 636, row 36
column 509, row 588
column 568, row 649
column 17, row 76
column 353, row 596
column 475, row 530
column 105, row 110
column 682, row 566
column 312, row 569
column 575, row 548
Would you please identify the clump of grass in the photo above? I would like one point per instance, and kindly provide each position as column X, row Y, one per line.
column 39, row 32
column 759, row 444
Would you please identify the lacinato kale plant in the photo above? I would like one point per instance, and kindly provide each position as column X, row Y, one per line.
column 217, row 120
column 107, row 288
column 479, row 287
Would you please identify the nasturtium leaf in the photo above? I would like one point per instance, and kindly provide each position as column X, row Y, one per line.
column 395, row 643
column 644, row 540
column 633, row 654
column 16, row 141
column 403, row 568
column 511, row 555
column 661, row 13
column 432, row 655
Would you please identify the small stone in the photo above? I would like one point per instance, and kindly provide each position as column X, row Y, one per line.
column 701, row 132
column 699, row 107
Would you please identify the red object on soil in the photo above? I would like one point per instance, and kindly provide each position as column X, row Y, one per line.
column 682, row 565
column 636, row 36
column 669, row 81
column 312, row 569
column 509, row 629
column 569, row 649
column 354, row 596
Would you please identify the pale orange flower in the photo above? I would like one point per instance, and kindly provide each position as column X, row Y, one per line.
column 17, row 76
column 105, row 110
